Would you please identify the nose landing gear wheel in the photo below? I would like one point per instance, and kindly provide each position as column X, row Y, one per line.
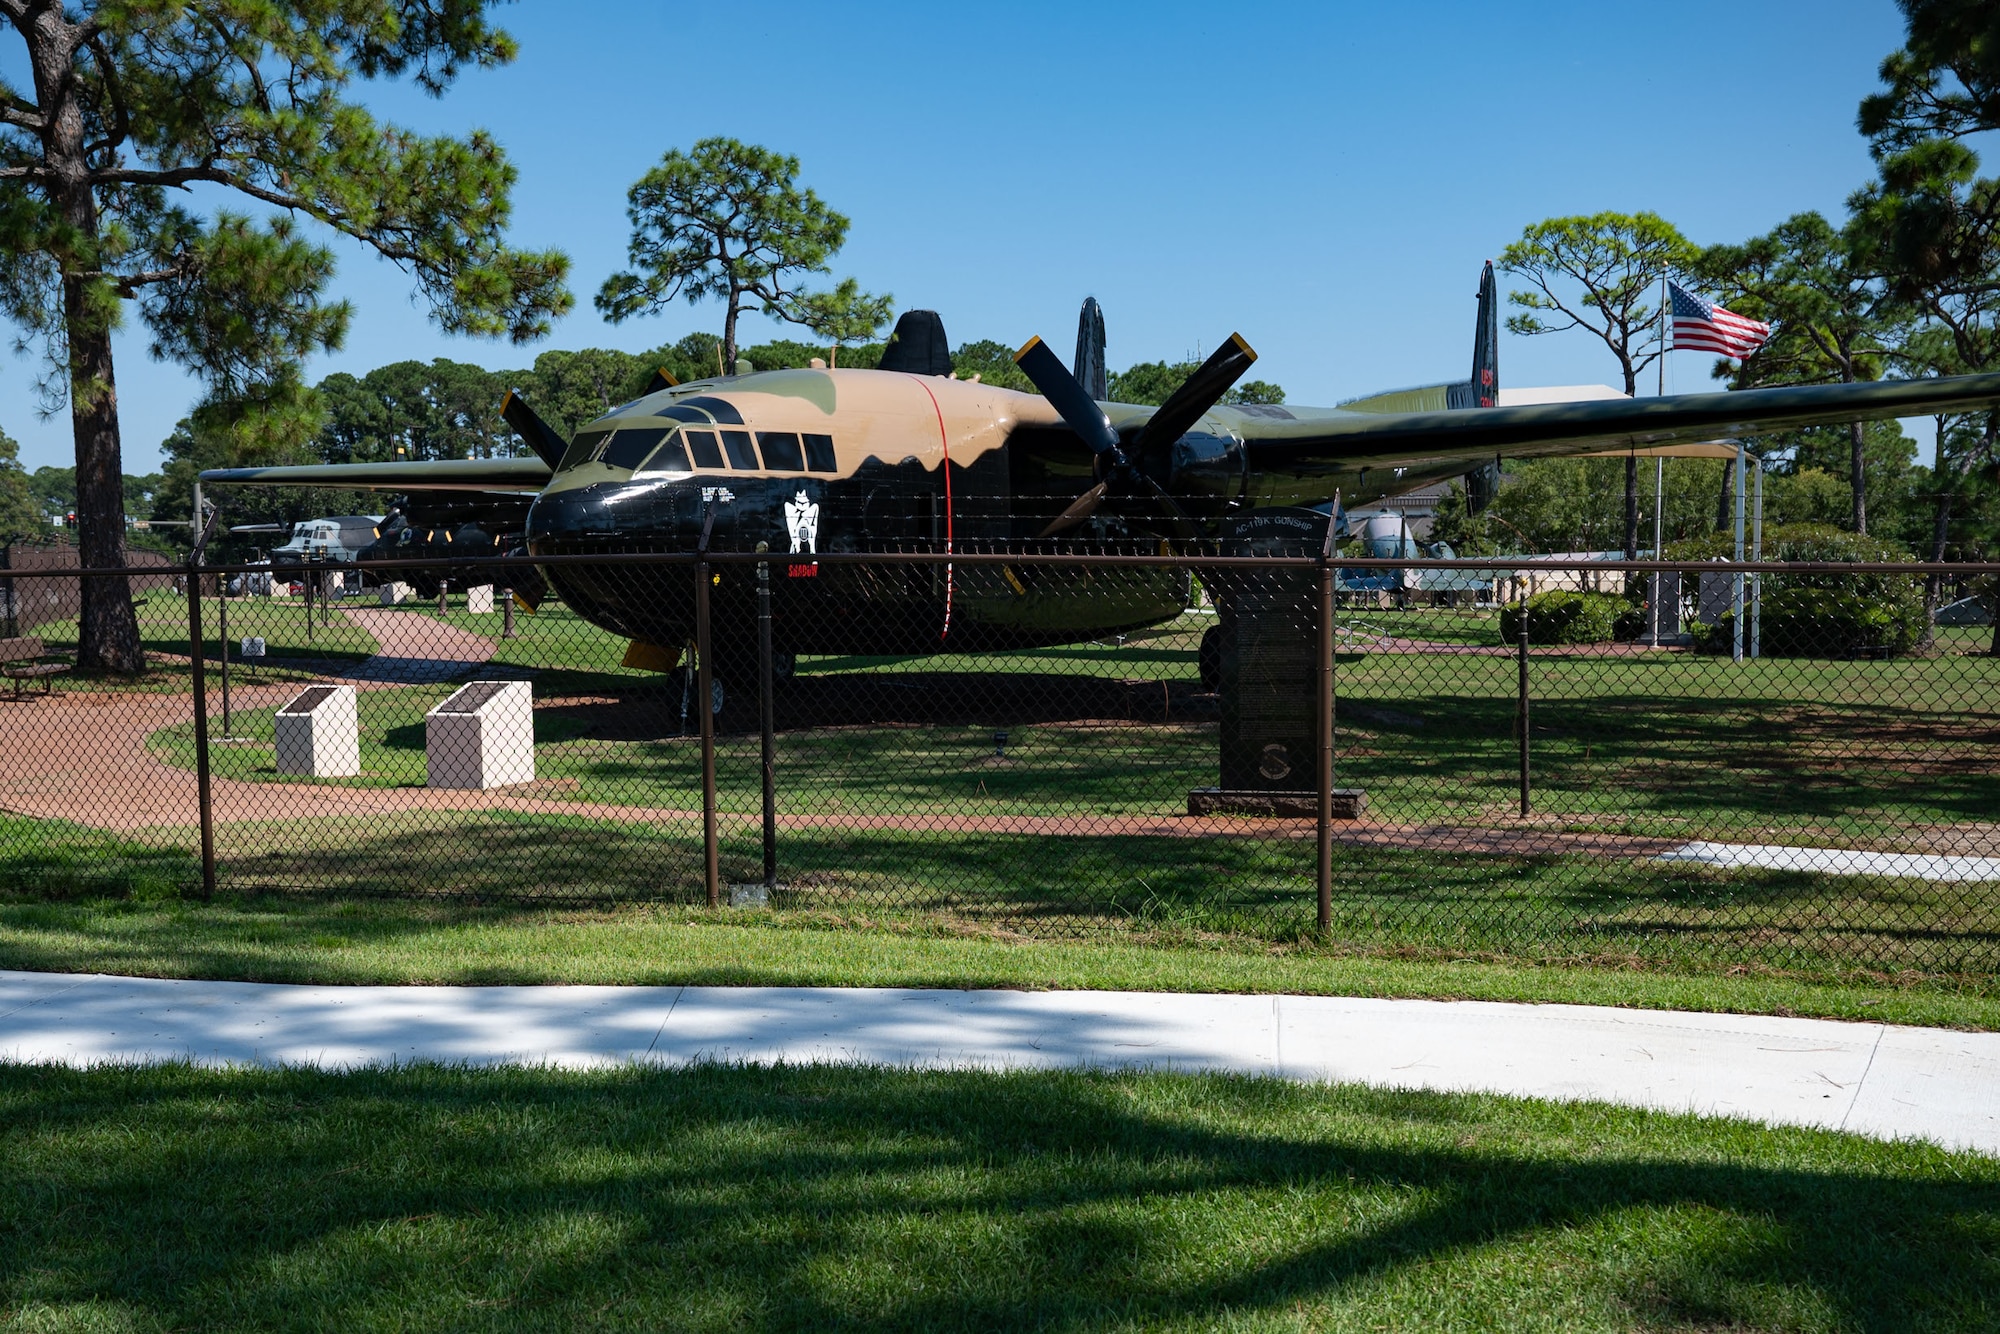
column 1208, row 659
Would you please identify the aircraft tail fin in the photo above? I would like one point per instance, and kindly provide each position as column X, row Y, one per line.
column 1089, row 368
column 1483, row 389
column 1486, row 342
column 918, row 345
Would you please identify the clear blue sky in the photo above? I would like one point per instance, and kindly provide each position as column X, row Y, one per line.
column 1324, row 178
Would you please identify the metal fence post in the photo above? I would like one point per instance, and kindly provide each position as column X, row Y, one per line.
column 222, row 635
column 10, row 623
column 1325, row 831
column 704, row 705
column 766, row 685
column 196, row 659
column 1521, row 709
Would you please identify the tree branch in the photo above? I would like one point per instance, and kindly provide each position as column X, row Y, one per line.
column 121, row 120
column 129, row 283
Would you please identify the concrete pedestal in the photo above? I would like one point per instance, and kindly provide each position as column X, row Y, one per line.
column 483, row 736
column 479, row 600
column 319, row 734
column 394, row 594
column 1348, row 803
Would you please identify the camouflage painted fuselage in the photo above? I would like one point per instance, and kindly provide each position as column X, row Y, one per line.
column 818, row 461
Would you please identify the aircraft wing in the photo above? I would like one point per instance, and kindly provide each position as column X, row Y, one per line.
column 1308, row 444
column 525, row 474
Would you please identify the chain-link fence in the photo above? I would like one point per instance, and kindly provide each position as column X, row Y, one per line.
column 1761, row 764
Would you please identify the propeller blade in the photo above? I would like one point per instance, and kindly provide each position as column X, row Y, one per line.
column 537, row 434
column 661, row 380
column 1177, row 518
column 1079, row 509
column 1197, row 394
column 1068, row 397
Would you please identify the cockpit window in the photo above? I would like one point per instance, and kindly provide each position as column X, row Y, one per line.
column 670, row 457
column 742, row 455
column 584, row 446
column 629, row 447
column 701, row 445
column 819, row 453
column 781, row 451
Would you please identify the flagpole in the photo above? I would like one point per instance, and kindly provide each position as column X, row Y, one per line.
column 1663, row 333
column 1660, row 472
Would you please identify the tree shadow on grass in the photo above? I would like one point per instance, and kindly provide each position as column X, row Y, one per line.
column 1717, row 760
column 1251, row 884
column 728, row 1197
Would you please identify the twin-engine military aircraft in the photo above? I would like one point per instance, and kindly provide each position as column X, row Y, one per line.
column 907, row 457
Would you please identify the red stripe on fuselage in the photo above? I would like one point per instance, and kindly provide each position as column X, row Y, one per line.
column 944, row 440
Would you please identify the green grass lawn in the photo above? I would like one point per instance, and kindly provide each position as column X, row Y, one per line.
column 296, row 649
column 720, row 1198
column 1854, row 754
column 153, row 929
column 1901, row 755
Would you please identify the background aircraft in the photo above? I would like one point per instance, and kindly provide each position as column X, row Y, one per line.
column 908, row 457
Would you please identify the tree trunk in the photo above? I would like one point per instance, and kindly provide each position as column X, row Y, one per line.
column 1941, row 526
column 1856, row 476
column 1723, row 517
column 1632, row 506
column 107, row 628
column 729, row 337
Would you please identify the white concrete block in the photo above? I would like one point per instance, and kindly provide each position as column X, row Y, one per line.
column 319, row 733
column 482, row 736
column 393, row 594
column 479, row 599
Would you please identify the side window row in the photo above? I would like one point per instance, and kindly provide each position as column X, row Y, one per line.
column 641, row 449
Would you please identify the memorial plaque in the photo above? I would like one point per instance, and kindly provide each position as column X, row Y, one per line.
column 1715, row 597
column 1663, row 618
column 1269, row 623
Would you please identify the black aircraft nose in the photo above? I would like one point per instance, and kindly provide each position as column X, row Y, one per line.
column 622, row 513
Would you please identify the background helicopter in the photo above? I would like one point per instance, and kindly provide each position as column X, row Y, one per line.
column 907, row 457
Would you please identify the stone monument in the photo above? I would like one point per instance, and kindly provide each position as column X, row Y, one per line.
column 482, row 736
column 1268, row 625
column 318, row 733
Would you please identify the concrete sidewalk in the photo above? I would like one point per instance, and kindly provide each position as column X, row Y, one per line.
column 1871, row 1079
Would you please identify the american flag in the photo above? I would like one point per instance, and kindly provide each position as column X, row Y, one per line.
column 1702, row 326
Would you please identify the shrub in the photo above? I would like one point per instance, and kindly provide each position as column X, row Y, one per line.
column 1820, row 615
column 1559, row 617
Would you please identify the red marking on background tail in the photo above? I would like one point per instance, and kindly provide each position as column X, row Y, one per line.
column 944, row 440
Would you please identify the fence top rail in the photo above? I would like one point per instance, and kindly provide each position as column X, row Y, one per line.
column 1503, row 565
